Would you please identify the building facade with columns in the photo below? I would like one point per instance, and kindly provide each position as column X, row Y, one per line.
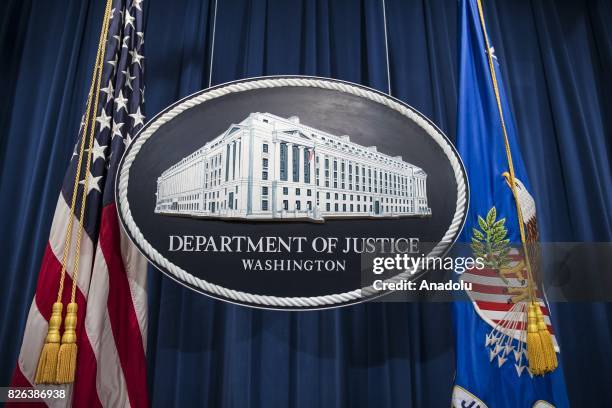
column 272, row 168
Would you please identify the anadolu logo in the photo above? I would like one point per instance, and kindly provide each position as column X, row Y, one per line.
column 269, row 191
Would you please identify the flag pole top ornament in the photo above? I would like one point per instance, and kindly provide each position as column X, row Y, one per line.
column 227, row 179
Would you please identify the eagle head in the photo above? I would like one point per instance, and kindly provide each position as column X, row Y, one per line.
column 526, row 201
column 517, row 183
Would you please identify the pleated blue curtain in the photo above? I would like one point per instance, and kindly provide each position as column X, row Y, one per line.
column 555, row 58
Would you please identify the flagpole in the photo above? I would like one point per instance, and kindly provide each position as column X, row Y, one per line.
column 542, row 356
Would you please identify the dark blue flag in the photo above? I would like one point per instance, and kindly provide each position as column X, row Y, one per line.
column 493, row 368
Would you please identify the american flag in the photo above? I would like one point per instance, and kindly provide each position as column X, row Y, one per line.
column 111, row 295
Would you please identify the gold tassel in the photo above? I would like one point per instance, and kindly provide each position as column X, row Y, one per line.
column 66, row 364
column 535, row 352
column 550, row 355
column 47, row 362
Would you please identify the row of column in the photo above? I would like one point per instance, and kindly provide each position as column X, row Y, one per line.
column 232, row 160
column 302, row 159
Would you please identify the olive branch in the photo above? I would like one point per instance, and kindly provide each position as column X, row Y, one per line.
column 490, row 242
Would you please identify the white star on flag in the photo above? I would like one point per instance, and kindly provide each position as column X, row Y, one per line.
column 113, row 62
column 128, row 19
column 136, row 57
column 117, row 129
column 127, row 140
column 97, row 151
column 138, row 117
column 140, row 35
column 120, row 102
column 103, row 120
column 128, row 78
column 108, row 90
column 92, row 182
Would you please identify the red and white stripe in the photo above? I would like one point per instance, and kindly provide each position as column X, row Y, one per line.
column 112, row 316
column 490, row 298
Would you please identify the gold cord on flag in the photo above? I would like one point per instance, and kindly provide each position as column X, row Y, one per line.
column 540, row 349
column 57, row 364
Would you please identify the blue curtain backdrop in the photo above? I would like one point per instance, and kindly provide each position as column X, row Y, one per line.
column 556, row 58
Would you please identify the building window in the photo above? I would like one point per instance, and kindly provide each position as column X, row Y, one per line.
column 296, row 163
column 297, row 191
column 298, row 205
column 285, row 191
column 264, row 175
column 283, row 161
column 327, row 207
column 264, row 205
column 344, row 207
column 264, row 190
column 309, row 205
column 264, row 148
column 264, row 163
column 327, row 195
column 286, row 205
column 336, row 207
column 309, row 192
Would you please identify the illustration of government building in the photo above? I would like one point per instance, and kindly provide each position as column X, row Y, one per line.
column 271, row 168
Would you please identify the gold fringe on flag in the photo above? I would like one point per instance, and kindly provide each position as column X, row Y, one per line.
column 45, row 372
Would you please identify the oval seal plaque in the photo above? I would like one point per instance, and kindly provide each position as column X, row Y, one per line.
column 276, row 192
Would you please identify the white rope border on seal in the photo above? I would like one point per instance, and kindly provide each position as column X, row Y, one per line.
column 287, row 302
